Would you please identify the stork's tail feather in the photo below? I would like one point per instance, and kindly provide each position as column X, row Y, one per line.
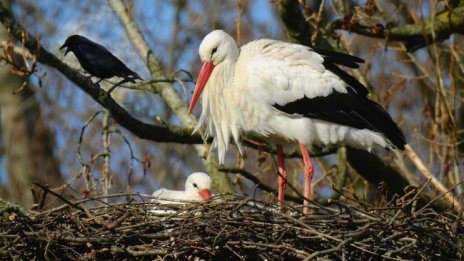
column 384, row 123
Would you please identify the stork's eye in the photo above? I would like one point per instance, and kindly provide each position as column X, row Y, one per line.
column 214, row 50
column 195, row 185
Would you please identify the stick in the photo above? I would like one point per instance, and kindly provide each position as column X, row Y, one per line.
column 447, row 193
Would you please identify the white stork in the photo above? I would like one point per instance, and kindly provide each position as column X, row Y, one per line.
column 197, row 188
column 287, row 92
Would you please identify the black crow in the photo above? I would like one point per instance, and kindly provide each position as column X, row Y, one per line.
column 97, row 60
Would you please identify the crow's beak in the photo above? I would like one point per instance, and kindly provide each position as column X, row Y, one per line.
column 65, row 46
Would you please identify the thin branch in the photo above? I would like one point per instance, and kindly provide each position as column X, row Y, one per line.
column 447, row 193
column 48, row 190
column 106, row 141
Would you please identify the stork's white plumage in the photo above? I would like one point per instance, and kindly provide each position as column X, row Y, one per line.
column 287, row 92
column 197, row 188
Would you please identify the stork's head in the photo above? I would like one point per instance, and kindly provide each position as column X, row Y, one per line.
column 215, row 48
column 198, row 186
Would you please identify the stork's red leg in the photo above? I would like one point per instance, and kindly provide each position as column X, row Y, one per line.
column 308, row 175
column 282, row 179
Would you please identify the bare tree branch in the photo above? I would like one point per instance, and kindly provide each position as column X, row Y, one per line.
column 414, row 36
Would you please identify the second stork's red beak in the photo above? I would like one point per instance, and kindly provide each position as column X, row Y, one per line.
column 205, row 72
column 205, row 194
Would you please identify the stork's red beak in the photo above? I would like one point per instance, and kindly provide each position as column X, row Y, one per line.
column 205, row 194
column 205, row 72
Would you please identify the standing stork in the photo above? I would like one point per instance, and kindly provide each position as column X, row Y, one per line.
column 286, row 92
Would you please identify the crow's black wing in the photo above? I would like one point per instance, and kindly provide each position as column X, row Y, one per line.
column 102, row 63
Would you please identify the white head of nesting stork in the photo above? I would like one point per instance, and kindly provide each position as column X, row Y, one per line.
column 197, row 188
column 290, row 92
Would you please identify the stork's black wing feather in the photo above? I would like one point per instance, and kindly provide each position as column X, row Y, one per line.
column 348, row 109
column 340, row 58
column 332, row 59
column 348, row 79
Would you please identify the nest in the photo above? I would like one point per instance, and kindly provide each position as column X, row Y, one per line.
column 229, row 228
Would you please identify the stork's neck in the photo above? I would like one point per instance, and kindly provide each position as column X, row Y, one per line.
column 219, row 84
column 217, row 106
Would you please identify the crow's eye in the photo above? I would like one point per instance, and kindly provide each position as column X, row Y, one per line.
column 214, row 50
column 195, row 185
